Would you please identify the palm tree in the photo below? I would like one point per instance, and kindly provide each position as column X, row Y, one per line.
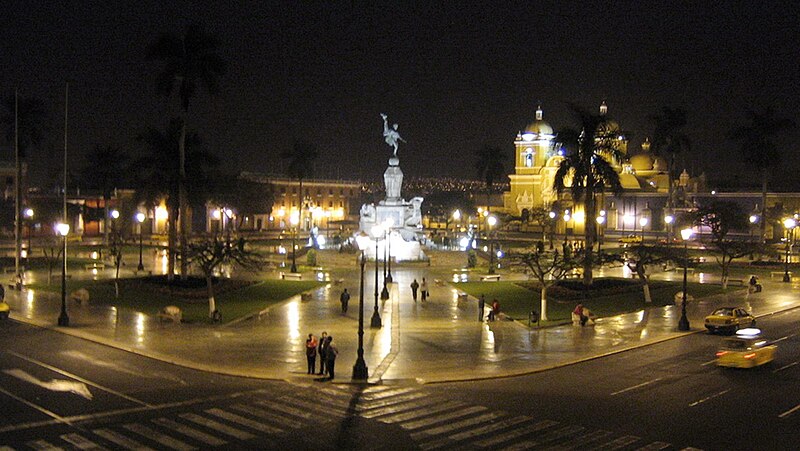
column 490, row 166
column 670, row 140
column 301, row 166
column 189, row 60
column 157, row 176
column 106, row 170
column 587, row 170
column 759, row 149
column 23, row 119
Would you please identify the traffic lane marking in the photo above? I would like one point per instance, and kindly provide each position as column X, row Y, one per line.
column 634, row 387
column 708, row 398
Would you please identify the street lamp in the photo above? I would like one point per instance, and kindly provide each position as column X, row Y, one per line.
column 360, row 371
column 642, row 223
column 294, row 220
column 389, row 224
column 490, row 222
column 63, row 319
column 377, row 231
column 600, row 221
column 140, row 220
column 385, row 291
column 669, row 219
column 789, row 224
column 29, row 216
column 683, row 323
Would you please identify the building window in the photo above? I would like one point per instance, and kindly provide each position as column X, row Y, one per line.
column 330, row 191
column 330, row 204
column 294, row 190
column 283, row 190
column 341, row 204
column 341, row 191
column 528, row 156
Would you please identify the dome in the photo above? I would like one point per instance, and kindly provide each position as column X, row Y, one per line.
column 539, row 127
column 642, row 162
column 659, row 164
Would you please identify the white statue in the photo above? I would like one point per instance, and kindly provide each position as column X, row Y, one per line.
column 391, row 136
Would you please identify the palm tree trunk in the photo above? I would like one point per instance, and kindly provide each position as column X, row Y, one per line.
column 171, row 235
column 300, row 205
column 589, row 232
column 182, row 200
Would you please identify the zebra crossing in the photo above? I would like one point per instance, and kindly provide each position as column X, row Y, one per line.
column 429, row 421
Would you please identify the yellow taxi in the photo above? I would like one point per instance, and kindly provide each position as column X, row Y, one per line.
column 746, row 349
column 631, row 239
column 5, row 309
column 729, row 320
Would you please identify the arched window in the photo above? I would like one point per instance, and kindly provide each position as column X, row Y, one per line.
column 528, row 157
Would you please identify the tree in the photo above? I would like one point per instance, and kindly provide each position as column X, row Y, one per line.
column 115, row 247
column 669, row 139
column 246, row 197
column 106, row 169
column 541, row 217
column 157, row 176
column 490, row 165
column 587, row 170
column 548, row 267
column 211, row 254
column 301, row 165
column 638, row 258
column 757, row 140
column 188, row 60
column 721, row 217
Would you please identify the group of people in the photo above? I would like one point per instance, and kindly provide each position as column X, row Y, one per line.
column 583, row 314
column 494, row 313
column 327, row 352
column 421, row 288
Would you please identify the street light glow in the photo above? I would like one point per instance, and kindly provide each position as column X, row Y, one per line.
column 491, row 220
column 115, row 214
column 687, row 233
column 669, row 219
column 62, row 229
column 140, row 217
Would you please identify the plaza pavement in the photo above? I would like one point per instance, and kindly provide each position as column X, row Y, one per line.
column 435, row 341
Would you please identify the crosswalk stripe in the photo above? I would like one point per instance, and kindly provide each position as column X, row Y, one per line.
column 163, row 439
column 321, row 409
column 189, row 432
column 566, row 431
column 401, row 406
column 121, row 440
column 264, row 415
column 451, row 427
column 619, row 443
column 515, row 433
column 252, row 424
column 286, row 409
column 580, row 441
column 80, row 442
column 425, row 422
column 491, row 427
column 655, row 446
column 391, row 401
column 217, row 426
column 6, row 448
column 527, row 444
column 326, row 400
column 43, row 445
column 333, row 393
column 387, row 393
column 398, row 417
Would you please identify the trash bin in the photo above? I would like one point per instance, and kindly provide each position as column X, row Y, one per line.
column 533, row 317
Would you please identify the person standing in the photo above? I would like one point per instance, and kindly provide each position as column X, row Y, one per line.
column 311, row 353
column 424, row 288
column 330, row 354
column 481, row 307
column 495, row 312
column 344, row 299
column 414, row 288
column 322, row 351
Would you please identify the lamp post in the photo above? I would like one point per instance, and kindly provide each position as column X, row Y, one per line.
column 642, row 223
column 377, row 230
column 140, row 220
column 456, row 225
column 753, row 221
column 360, row 371
column 551, row 226
column 789, row 224
column 294, row 221
column 389, row 224
column 669, row 219
column 385, row 291
column 683, row 323
column 491, row 221
column 29, row 216
column 63, row 319
column 600, row 221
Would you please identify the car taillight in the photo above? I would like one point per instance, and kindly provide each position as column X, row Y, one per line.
column 721, row 353
column 752, row 355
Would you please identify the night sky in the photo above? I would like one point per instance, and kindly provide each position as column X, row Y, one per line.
column 453, row 77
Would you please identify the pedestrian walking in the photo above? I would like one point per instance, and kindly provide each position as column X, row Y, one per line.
column 330, row 354
column 481, row 307
column 424, row 288
column 311, row 353
column 579, row 315
column 321, row 351
column 414, row 288
column 495, row 312
column 344, row 299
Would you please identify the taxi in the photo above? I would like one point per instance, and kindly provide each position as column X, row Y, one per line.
column 631, row 239
column 729, row 319
column 746, row 349
column 5, row 309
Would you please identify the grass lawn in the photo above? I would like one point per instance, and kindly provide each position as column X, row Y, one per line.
column 618, row 296
column 233, row 302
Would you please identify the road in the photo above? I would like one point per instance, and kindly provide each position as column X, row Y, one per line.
column 60, row 392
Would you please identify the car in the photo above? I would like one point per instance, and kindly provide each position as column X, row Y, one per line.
column 747, row 349
column 5, row 309
column 631, row 239
column 729, row 320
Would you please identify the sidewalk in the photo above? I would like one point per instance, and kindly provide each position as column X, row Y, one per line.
column 436, row 341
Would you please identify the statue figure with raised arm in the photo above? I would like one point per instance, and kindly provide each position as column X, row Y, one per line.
column 391, row 135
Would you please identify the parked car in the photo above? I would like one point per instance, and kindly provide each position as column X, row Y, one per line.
column 746, row 349
column 729, row 320
column 5, row 309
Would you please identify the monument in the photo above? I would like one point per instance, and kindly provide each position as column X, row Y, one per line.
column 400, row 220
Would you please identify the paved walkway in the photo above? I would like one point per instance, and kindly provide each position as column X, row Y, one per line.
column 435, row 341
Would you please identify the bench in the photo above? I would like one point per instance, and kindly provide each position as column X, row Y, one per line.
column 94, row 265
column 739, row 282
column 291, row 275
column 778, row 273
column 490, row 277
column 463, row 297
column 170, row 313
column 678, row 268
